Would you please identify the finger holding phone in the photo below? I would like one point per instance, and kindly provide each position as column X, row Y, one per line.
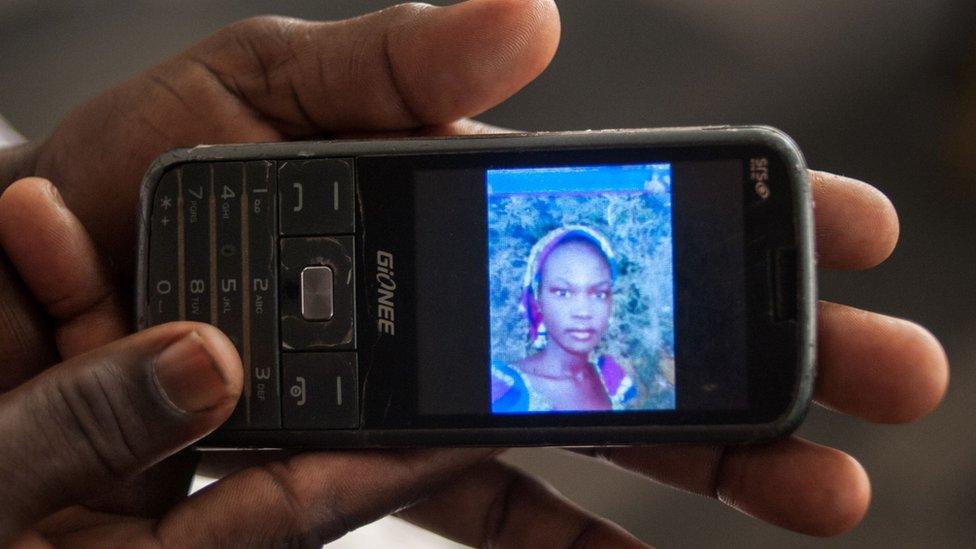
column 471, row 45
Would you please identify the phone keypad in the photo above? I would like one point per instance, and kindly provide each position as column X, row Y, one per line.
column 195, row 218
column 322, row 391
column 163, row 293
column 227, row 190
column 317, row 197
column 261, row 293
column 216, row 232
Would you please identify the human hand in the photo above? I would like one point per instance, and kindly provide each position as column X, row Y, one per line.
column 410, row 68
column 871, row 366
column 110, row 404
column 414, row 67
column 407, row 69
column 85, row 429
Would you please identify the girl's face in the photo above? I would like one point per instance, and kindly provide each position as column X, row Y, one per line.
column 575, row 297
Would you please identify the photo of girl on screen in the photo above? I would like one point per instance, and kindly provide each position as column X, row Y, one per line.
column 567, row 299
column 581, row 289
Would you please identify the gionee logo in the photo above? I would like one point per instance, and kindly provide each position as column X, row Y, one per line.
column 387, row 289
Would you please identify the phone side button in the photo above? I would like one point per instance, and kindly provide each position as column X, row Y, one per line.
column 784, row 284
column 320, row 391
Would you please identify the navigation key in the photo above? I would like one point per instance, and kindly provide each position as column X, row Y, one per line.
column 320, row 391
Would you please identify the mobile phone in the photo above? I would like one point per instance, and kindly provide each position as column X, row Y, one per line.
column 570, row 288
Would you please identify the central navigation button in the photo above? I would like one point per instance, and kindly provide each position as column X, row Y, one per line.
column 317, row 293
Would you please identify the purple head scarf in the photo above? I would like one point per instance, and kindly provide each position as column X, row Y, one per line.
column 529, row 305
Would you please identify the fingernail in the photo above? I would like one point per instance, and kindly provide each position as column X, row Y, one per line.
column 188, row 376
column 56, row 195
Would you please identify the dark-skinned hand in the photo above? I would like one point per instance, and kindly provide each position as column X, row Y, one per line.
column 93, row 430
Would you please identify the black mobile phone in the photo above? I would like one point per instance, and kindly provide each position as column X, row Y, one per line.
column 571, row 288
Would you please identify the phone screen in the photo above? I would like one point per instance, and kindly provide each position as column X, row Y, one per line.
column 581, row 288
column 576, row 287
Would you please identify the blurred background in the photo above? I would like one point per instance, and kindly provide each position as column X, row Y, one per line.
column 881, row 90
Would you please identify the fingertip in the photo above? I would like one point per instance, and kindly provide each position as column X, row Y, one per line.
column 198, row 370
column 929, row 371
column 35, row 227
column 878, row 367
column 526, row 36
column 538, row 26
column 27, row 183
column 130, row 404
column 404, row 67
column 25, row 193
column 851, row 501
column 226, row 358
column 846, row 496
column 857, row 225
column 884, row 220
column 56, row 259
column 486, row 51
column 799, row 485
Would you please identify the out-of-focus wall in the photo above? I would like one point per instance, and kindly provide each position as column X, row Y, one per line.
column 874, row 89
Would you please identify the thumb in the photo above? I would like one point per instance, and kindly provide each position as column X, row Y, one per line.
column 108, row 414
